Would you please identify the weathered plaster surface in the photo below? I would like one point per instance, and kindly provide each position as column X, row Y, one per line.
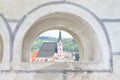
column 113, row 29
column 11, row 18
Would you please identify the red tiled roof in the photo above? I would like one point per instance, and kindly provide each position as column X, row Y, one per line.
column 34, row 55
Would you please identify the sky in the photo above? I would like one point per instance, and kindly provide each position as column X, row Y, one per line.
column 55, row 33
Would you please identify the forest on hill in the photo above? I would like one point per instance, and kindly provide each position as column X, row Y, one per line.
column 69, row 44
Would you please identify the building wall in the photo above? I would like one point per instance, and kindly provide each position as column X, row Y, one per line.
column 12, row 13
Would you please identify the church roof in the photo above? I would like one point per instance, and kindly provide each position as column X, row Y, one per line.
column 59, row 39
column 47, row 49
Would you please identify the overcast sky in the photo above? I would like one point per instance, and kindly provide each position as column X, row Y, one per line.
column 55, row 33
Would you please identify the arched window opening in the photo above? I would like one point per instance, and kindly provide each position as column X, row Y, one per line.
column 86, row 30
column 54, row 46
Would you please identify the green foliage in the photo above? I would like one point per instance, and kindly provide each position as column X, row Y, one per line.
column 69, row 44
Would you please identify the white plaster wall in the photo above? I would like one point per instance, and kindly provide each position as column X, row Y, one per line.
column 116, row 67
column 14, row 9
column 13, row 25
column 113, row 29
column 109, row 9
column 103, row 8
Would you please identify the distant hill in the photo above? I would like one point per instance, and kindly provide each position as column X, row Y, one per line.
column 69, row 44
column 48, row 38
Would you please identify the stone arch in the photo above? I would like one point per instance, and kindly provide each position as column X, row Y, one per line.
column 36, row 31
column 67, row 22
column 86, row 27
column 4, row 45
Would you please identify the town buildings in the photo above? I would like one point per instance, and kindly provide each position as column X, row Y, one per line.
column 53, row 52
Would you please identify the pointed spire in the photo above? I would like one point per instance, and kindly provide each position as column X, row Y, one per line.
column 59, row 36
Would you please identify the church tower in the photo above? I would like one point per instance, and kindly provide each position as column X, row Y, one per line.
column 59, row 44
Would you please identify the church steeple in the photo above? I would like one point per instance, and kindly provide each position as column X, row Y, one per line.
column 59, row 39
column 59, row 44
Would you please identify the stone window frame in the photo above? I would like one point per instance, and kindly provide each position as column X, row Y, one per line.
column 104, row 64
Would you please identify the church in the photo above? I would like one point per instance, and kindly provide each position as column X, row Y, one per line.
column 53, row 52
column 49, row 49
